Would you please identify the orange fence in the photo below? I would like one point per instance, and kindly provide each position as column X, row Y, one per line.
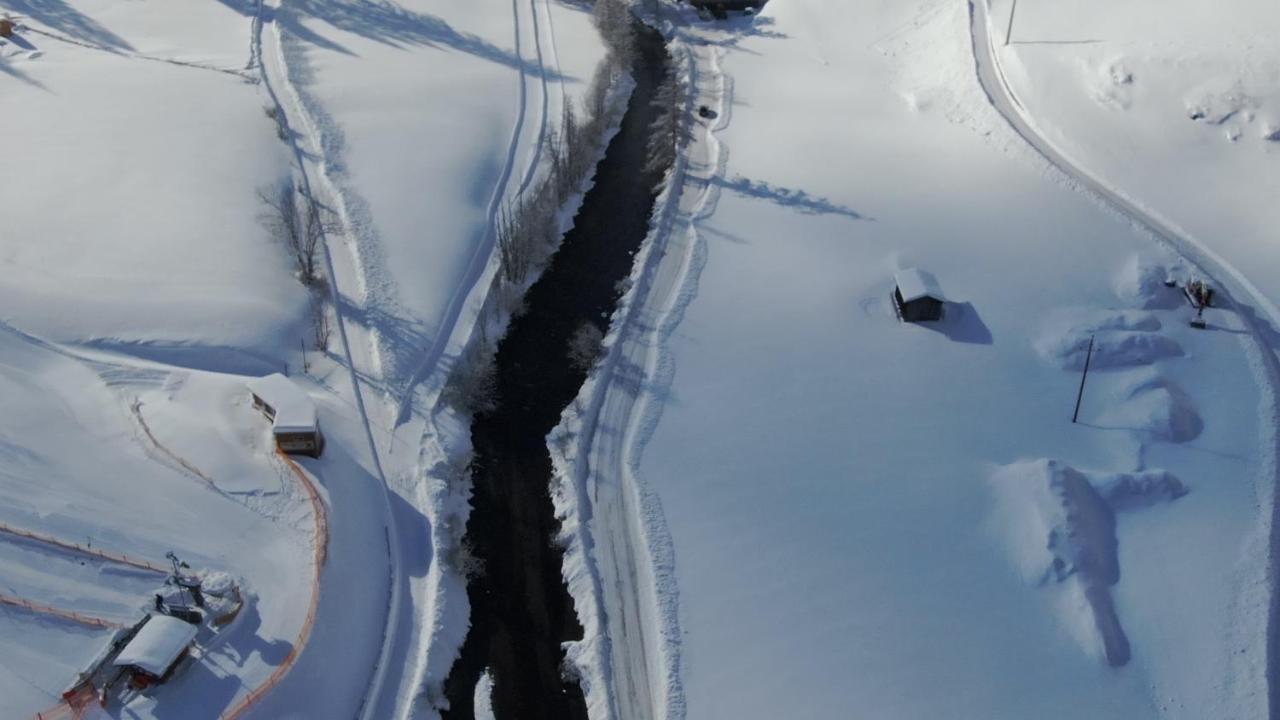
column 74, row 702
column 61, row 711
column 65, row 711
column 114, row 557
column 321, row 550
column 71, row 615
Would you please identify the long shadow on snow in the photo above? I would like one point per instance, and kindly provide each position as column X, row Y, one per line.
column 799, row 200
column 58, row 15
column 387, row 23
column 16, row 74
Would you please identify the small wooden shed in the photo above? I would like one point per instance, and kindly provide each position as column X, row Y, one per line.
column 917, row 296
column 292, row 414
column 6, row 27
column 157, row 648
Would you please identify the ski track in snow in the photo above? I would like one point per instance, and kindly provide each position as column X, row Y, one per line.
column 243, row 74
column 1261, row 317
column 478, row 265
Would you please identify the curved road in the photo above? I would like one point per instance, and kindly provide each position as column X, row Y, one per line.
column 1257, row 311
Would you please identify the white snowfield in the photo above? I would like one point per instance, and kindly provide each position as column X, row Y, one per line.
column 782, row 502
column 139, row 292
column 1187, row 95
column 778, row 501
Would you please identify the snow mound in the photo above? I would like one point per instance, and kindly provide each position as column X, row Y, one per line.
column 1157, row 406
column 1120, row 73
column 217, row 582
column 1132, row 491
column 1111, row 84
column 1215, row 103
column 1141, row 284
column 1061, row 524
column 1120, row 340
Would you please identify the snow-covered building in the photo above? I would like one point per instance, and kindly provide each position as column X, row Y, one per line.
column 292, row 413
column 155, row 650
column 917, row 296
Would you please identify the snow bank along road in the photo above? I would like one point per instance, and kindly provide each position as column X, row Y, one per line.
column 1258, row 312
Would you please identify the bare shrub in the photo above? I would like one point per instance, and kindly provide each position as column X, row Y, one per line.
column 321, row 329
column 473, row 384
column 277, row 118
column 462, row 559
column 673, row 128
column 613, row 20
column 300, row 223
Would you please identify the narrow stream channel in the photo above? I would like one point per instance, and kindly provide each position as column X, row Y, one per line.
column 521, row 610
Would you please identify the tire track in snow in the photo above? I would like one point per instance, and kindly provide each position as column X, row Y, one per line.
column 1262, row 318
column 535, row 157
column 483, row 250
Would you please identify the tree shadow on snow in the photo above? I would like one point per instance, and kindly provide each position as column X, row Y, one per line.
column 58, row 15
column 387, row 23
column 798, row 200
column 16, row 74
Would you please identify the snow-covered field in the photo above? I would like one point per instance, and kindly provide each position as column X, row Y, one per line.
column 140, row 289
column 1177, row 105
column 780, row 501
column 829, row 513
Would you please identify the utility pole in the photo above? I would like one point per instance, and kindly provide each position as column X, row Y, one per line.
column 1083, row 376
column 1008, row 33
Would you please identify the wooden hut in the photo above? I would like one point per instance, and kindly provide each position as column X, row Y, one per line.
column 157, row 648
column 6, row 27
column 292, row 414
column 917, row 296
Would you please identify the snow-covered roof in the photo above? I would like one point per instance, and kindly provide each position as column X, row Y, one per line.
column 915, row 283
column 295, row 411
column 158, row 643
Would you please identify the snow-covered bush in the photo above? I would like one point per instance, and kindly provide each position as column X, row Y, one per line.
column 473, row 383
column 585, row 345
column 673, row 129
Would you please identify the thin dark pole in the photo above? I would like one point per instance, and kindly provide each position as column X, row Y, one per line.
column 1083, row 376
column 1008, row 33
